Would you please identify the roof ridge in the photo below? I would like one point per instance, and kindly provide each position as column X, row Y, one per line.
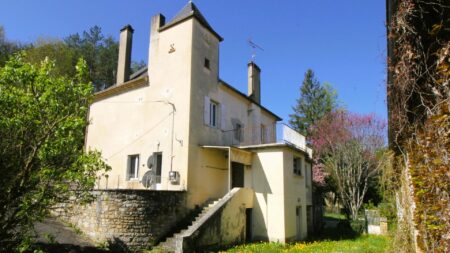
column 188, row 11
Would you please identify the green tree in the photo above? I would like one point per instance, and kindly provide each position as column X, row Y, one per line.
column 7, row 48
column 135, row 66
column 100, row 53
column 316, row 100
column 42, row 160
column 65, row 58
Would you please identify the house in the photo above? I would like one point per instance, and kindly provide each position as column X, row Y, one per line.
column 177, row 128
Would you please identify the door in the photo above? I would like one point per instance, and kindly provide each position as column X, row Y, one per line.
column 248, row 225
column 298, row 211
column 237, row 175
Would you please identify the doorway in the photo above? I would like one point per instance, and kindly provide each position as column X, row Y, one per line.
column 248, row 225
column 298, row 212
column 237, row 175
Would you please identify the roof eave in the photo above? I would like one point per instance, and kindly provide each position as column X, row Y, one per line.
column 169, row 25
column 249, row 99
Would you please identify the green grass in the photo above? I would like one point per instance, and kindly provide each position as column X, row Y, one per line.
column 337, row 216
column 362, row 244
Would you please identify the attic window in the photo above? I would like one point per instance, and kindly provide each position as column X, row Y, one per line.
column 206, row 63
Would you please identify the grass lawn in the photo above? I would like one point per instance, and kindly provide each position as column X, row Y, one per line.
column 363, row 244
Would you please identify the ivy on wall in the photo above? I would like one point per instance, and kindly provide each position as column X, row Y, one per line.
column 419, row 101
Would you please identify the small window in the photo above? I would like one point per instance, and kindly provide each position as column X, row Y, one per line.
column 158, row 168
column 133, row 167
column 297, row 164
column 206, row 63
column 238, row 132
column 213, row 113
column 308, row 173
column 263, row 134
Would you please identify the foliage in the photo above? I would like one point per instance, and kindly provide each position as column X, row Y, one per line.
column 64, row 57
column 429, row 164
column 418, row 100
column 100, row 53
column 135, row 66
column 362, row 244
column 42, row 161
column 315, row 102
column 351, row 149
column 7, row 48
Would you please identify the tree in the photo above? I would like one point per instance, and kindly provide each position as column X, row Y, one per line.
column 315, row 101
column 100, row 53
column 352, row 149
column 7, row 48
column 65, row 58
column 42, row 160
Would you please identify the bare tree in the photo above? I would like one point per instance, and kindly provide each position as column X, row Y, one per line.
column 353, row 151
column 352, row 167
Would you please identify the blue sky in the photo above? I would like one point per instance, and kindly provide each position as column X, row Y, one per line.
column 344, row 41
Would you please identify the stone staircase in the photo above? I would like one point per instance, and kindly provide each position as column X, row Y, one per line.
column 170, row 243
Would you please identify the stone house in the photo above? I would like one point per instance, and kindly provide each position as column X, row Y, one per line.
column 196, row 164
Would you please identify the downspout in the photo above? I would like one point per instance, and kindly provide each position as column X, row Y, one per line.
column 229, row 169
column 172, row 131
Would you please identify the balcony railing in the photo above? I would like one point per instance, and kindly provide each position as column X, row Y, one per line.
column 286, row 134
column 279, row 133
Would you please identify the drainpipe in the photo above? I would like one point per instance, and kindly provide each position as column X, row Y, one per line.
column 173, row 130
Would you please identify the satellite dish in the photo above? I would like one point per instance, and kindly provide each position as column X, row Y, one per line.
column 150, row 161
column 148, row 179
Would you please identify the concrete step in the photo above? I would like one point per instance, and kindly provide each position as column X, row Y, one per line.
column 169, row 245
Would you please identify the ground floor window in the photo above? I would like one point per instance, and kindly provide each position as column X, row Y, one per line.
column 133, row 167
column 158, row 166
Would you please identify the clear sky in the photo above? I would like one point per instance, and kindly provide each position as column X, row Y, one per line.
column 344, row 41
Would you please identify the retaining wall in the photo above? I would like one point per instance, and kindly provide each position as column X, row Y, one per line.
column 135, row 219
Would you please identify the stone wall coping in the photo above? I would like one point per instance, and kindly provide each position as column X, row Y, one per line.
column 137, row 190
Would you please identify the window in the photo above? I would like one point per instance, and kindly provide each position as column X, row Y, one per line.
column 133, row 167
column 213, row 113
column 158, row 168
column 263, row 134
column 297, row 164
column 206, row 64
column 238, row 132
column 308, row 173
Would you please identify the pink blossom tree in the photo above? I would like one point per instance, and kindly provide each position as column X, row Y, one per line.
column 347, row 150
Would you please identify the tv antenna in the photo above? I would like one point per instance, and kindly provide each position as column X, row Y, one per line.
column 254, row 46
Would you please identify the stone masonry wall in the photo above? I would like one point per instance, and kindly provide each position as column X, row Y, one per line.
column 136, row 219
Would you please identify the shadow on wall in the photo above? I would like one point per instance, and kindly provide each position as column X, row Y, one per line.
column 260, row 186
column 117, row 245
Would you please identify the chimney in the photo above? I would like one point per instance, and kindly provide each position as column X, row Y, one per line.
column 157, row 22
column 254, row 82
column 124, row 61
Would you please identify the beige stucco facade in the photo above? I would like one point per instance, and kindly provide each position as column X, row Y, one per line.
column 213, row 136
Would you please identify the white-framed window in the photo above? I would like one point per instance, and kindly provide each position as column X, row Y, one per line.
column 213, row 112
column 133, row 167
column 297, row 166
